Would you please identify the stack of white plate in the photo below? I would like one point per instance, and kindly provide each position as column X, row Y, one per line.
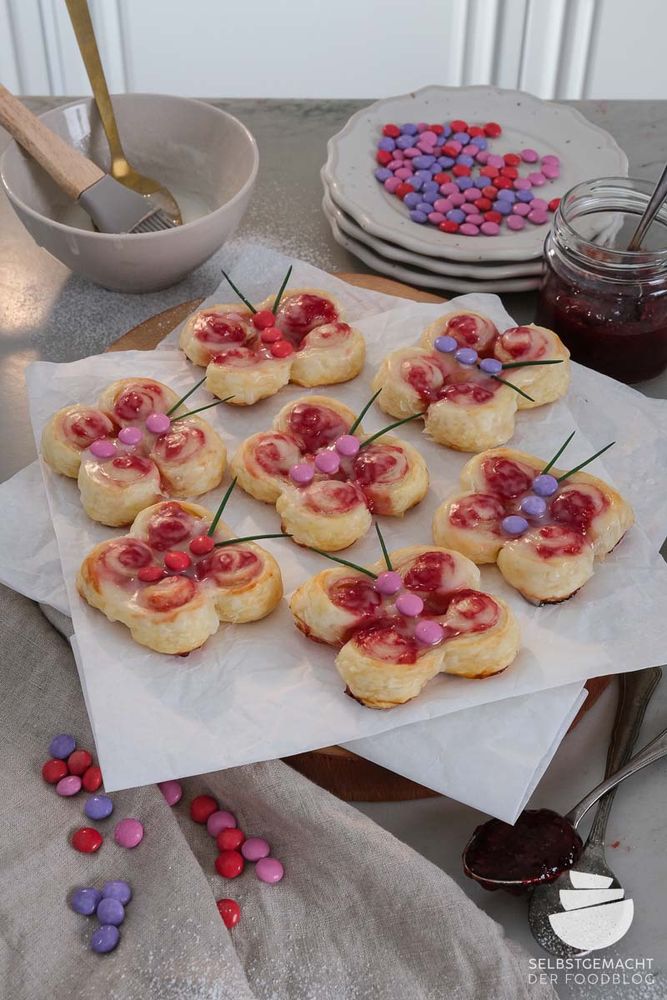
column 375, row 226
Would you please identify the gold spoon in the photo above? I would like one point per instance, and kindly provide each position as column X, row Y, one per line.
column 121, row 170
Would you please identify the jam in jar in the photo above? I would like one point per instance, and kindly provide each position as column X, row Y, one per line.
column 608, row 304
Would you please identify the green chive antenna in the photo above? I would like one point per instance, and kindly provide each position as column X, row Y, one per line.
column 186, row 396
column 531, row 364
column 383, row 547
column 516, row 388
column 344, row 562
column 250, row 538
column 364, row 411
column 390, row 427
column 276, row 301
column 223, row 504
column 587, row 462
column 560, row 451
column 191, row 413
column 240, row 294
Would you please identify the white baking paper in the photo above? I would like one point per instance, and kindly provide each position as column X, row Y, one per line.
column 247, row 697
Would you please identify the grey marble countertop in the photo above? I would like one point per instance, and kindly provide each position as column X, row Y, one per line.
column 46, row 313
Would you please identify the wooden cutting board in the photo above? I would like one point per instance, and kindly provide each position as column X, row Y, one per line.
column 338, row 770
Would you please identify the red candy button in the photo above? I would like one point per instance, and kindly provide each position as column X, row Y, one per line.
column 87, row 840
column 492, row 129
column 442, row 178
column 483, row 204
column 271, row 335
column 490, row 192
column 489, row 172
column 177, row 561
column 449, row 226
column 438, row 129
column 201, row 808
column 230, row 839
column 403, row 189
column 229, row 910
column 493, row 217
column 512, row 159
column 458, row 125
column 460, row 170
column 383, row 157
column 53, row 771
column 503, row 182
column 92, row 779
column 281, row 349
column 263, row 319
column 451, row 148
column 510, row 172
column 393, row 131
column 229, row 864
column 79, row 761
column 474, row 130
column 149, row 574
column 202, row 545
column 553, row 204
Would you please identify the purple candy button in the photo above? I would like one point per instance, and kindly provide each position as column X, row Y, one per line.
column 84, row 901
column 62, row 745
column 533, row 506
column 466, row 355
column 445, row 344
column 514, row 524
column 98, row 807
column 545, row 485
column 110, row 911
column 491, row 366
column 117, row 889
column 105, row 939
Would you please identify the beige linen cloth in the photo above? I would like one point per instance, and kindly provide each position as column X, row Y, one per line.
column 358, row 916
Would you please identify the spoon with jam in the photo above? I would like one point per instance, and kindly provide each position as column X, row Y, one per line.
column 542, row 844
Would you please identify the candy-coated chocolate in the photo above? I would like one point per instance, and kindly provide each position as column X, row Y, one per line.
column 128, row 832
column 79, row 761
column 53, row 771
column 69, row 785
column 272, row 333
column 302, row 473
column 466, row 355
column 529, row 155
column 130, row 436
column 534, row 506
column 230, row 839
column 553, row 204
column 469, row 229
column 86, row 840
column 98, row 807
column 172, row 792
column 255, row 848
column 389, row 582
column 150, row 574
column 105, row 939
column 92, row 779
column 544, row 485
column 514, row 524
column 492, row 129
column 110, row 911
column 327, row 461
column 202, row 544
column 515, row 222
column 491, row 366
column 269, row 870
column 62, row 746
column 117, row 889
column 221, row 819
column 177, row 561
column 410, row 605
column 230, row 911
column 158, row 423
column 347, row 445
column 445, row 344
column 229, row 864
column 202, row 807
column 85, row 901
column 281, row 349
column 103, row 448
column 263, row 319
column 429, row 633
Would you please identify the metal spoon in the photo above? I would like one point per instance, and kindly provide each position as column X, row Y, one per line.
column 120, row 170
column 650, row 212
column 635, row 691
column 653, row 751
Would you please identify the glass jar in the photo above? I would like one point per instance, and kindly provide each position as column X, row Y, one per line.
column 607, row 304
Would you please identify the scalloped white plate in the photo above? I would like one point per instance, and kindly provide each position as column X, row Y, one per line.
column 585, row 150
column 425, row 279
column 439, row 265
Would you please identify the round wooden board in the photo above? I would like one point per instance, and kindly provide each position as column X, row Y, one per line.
column 340, row 771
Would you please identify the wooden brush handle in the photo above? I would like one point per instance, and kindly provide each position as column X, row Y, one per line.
column 69, row 168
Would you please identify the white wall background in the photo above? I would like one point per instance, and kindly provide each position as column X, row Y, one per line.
column 342, row 48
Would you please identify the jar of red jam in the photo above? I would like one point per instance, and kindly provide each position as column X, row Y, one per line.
column 608, row 304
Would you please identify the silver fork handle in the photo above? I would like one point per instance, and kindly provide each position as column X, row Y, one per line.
column 656, row 749
column 650, row 212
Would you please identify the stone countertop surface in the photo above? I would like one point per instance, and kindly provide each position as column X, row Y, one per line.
column 47, row 313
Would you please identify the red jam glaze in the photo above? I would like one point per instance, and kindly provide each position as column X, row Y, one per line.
column 356, row 595
column 122, row 558
column 222, row 328
column 556, row 540
column 507, row 478
column 86, row 425
column 315, row 427
column 299, row 314
column 168, row 594
column 576, row 509
column 333, row 498
column 380, row 465
column 472, row 331
column 522, row 342
column 138, row 401
column 439, row 376
column 127, row 466
column 275, row 453
column 469, row 393
column 229, row 566
column 388, row 642
column 169, row 527
column 479, row 510
column 181, row 442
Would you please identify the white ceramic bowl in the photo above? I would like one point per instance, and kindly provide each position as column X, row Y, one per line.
column 205, row 156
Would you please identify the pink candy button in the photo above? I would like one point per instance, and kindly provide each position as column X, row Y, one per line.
column 410, row 605
column 468, row 229
column 255, row 848
column 537, row 218
column 130, row 435
column 550, row 171
column 158, row 423
column 269, row 870
column 529, row 155
column 515, row 222
column 490, row 228
column 172, row 791
column 302, row 473
column 429, row 633
column 347, row 445
column 388, row 583
column 391, row 184
column 220, row 820
column 537, row 179
column 128, row 833
column 103, row 448
column 69, row 785
column 328, row 461
column 521, row 208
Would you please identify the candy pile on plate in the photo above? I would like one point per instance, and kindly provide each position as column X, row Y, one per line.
column 447, row 177
column 108, row 905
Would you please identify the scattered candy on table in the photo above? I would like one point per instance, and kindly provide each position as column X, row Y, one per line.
column 201, row 808
column 171, row 790
column 109, row 908
column 98, row 807
column 87, row 840
column 70, row 768
column 269, row 870
column 255, row 848
column 447, row 177
column 220, row 820
column 128, row 832
column 230, row 911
